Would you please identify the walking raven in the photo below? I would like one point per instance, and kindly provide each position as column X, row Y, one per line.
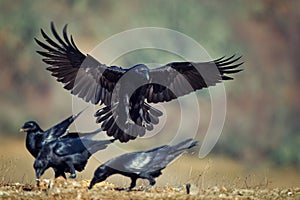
column 67, row 155
column 143, row 164
column 127, row 115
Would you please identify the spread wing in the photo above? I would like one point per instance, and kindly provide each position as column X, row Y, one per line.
column 180, row 78
column 81, row 74
column 60, row 129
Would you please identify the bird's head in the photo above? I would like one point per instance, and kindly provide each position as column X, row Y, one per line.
column 30, row 126
column 100, row 175
column 40, row 166
column 142, row 70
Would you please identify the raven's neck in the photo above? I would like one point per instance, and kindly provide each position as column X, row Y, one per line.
column 34, row 142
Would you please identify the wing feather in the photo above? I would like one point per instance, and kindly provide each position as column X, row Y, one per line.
column 81, row 74
column 186, row 77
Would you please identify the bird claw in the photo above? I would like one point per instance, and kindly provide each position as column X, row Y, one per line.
column 72, row 176
column 144, row 124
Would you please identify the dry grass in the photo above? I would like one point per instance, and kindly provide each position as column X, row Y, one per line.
column 211, row 178
column 72, row 189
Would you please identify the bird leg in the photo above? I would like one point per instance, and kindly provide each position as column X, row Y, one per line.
column 132, row 184
column 59, row 173
column 150, row 179
column 72, row 169
column 38, row 174
column 144, row 121
column 37, row 181
column 92, row 183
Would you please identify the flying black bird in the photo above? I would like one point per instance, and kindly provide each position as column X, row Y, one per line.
column 143, row 164
column 36, row 137
column 67, row 155
column 125, row 91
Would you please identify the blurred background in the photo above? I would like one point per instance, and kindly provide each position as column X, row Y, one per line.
column 259, row 145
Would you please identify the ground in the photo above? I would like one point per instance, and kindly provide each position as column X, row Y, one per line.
column 210, row 178
column 72, row 189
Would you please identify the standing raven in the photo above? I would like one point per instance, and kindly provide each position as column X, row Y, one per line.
column 67, row 155
column 125, row 91
column 143, row 164
column 36, row 137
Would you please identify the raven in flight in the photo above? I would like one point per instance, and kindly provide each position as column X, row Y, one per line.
column 67, row 155
column 124, row 92
column 143, row 164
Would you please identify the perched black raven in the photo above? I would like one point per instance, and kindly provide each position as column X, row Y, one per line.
column 143, row 164
column 67, row 155
column 124, row 91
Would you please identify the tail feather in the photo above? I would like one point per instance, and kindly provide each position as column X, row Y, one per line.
column 170, row 153
column 108, row 123
column 98, row 145
column 105, row 110
column 104, row 116
column 178, row 149
column 184, row 145
column 144, row 120
column 113, row 127
column 149, row 117
column 149, row 127
column 153, row 110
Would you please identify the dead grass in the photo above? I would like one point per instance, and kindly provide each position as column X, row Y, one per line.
column 210, row 178
column 72, row 189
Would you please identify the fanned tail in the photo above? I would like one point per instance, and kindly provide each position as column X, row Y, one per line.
column 129, row 129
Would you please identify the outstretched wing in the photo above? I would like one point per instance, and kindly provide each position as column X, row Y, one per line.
column 60, row 129
column 180, row 78
column 83, row 75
